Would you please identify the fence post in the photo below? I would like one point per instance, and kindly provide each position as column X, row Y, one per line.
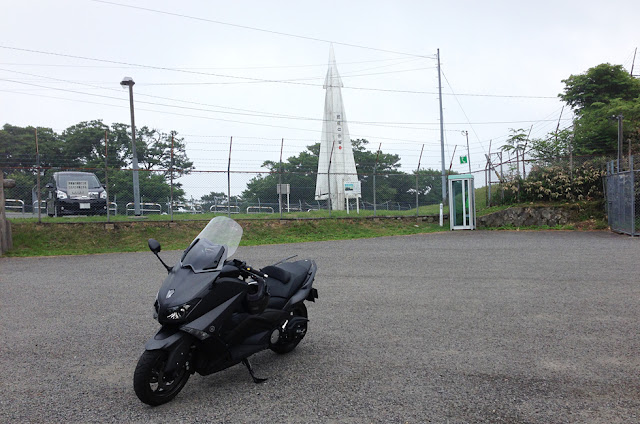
column 375, row 166
column 417, row 172
column 229, row 180
column 171, row 176
column 571, row 162
column 38, row 178
column 280, row 180
column 5, row 225
column 487, row 181
column 106, row 173
column 633, row 197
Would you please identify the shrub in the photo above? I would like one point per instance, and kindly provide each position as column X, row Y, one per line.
column 558, row 183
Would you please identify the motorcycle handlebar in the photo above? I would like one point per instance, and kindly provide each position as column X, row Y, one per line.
column 248, row 269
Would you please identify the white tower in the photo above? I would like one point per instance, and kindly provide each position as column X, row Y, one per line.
column 335, row 164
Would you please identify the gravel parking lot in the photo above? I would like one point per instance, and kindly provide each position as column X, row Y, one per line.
column 464, row 327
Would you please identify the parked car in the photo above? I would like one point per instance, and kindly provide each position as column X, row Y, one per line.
column 76, row 193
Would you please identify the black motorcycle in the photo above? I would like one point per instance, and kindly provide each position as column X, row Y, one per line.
column 215, row 312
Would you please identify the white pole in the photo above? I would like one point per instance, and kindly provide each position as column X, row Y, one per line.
column 441, row 217
column 444, row 177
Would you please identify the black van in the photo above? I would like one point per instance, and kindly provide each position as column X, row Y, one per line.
column 76, row 193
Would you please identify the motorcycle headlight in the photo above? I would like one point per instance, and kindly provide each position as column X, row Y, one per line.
column 180, row 312
column 103, row 195
column 61, row 194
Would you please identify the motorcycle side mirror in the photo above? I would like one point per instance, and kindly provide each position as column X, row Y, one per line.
column 154, row 246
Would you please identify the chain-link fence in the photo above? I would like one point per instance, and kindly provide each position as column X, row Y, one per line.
column 110, row 193
column 570, row 178
column 88, row 170
column 623, row 191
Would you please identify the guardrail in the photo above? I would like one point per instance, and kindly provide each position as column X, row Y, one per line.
column 260, row 209
column 224, row 209
column 184, row 208
column 43, row 206
column 144, row 207
column 19, row 204
column 113, row 207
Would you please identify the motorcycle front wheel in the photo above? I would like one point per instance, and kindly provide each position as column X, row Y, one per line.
column 151, row 384
column 287, row 343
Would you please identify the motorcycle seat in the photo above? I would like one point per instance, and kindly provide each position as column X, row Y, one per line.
column 285, row 279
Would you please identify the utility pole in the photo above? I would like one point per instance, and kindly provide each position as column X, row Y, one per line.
column 444, row 178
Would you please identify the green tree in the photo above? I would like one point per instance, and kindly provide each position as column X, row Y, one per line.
column 153, row 188
column 429, row 187
column 554, row 146
column 603, row 92
column 297, row 171
column 18, row 147
column 154, row 151
column 600, row 84
column 300, row 172
column 516, row 143
column 83, row 146
column 218, row 198
column 18, row 159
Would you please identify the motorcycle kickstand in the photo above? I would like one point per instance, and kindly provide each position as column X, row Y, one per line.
column 255, row 379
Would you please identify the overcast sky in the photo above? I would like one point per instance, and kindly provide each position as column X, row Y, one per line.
column 254, row 70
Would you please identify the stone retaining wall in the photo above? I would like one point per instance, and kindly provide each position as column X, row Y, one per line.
column 526, row 216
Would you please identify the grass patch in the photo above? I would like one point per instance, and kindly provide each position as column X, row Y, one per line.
column 87, row 235
column 47, row 239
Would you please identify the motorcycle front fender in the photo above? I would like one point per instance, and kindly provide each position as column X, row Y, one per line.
column 164, row 339
column 176, row 343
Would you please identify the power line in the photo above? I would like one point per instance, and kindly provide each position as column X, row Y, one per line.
column 303, row 37
column 257, row 80
column 245, row 112
column 215, row 68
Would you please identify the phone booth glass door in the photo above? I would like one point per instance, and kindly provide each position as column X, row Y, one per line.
column 461, row 202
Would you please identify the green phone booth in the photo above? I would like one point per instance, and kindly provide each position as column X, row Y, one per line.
column 462, row 202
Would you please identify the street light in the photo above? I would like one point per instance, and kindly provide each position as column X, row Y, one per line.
column 128, row 81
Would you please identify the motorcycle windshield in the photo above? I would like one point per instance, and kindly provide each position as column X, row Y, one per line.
column 222, row 231
column 218, row 241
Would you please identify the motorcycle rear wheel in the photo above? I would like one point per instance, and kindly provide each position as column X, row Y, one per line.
column 287, row 344
column 151, row 384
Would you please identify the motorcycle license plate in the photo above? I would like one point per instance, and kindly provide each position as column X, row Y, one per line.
column 85, row 206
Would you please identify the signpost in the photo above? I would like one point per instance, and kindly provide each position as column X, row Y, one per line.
column 78, row 189
column 283, row 189
column 352, row 189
